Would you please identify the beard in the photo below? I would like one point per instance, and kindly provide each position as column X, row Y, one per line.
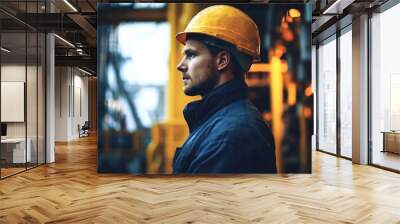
column 202, row 87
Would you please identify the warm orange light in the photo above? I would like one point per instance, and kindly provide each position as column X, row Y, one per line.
column 307, row 111
column 280, row 49
column 267, row 116
column 284, row 66
column 260, row 67
column 289, row 19
column 294, row 13
column 265, row 67
column 292, row 93
column 284, row 25
column 308, row 91
column 287, row 35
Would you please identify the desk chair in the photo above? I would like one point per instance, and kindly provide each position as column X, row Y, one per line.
column 84, row 130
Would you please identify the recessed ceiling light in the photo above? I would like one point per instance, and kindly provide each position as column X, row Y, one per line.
column 5, row 50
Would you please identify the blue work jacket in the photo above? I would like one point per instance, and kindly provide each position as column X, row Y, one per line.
column 227, row 135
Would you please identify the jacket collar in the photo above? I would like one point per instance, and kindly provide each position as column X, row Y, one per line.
column 197, row 112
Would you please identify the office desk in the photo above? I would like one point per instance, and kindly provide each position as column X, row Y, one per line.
column 391, row 141
column 15, row 148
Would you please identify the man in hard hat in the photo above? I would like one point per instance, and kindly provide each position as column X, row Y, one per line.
column 227, row 133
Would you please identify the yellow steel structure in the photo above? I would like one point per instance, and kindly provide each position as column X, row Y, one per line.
column 165, row 138
column 264, row 67
column 276, row 68
column 277, row 107
column 171, row 134
column 178, row 16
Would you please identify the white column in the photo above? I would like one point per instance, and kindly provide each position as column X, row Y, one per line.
column 62, row 103
column 50, row 93
column 360, row 90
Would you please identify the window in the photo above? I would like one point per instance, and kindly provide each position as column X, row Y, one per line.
column 327, row 96
column 346, row 93
column 385, row 89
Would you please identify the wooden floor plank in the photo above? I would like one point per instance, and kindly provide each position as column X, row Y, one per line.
column 71, row 191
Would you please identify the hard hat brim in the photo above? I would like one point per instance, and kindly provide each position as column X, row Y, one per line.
column 181, row 37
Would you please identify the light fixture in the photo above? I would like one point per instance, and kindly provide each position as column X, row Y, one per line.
column 84, row 71
column 148, row 5
column 5, row 50
column 294, row 13
column 337, row 7
column 70, row 5
column 64, row 40
column 80, row 51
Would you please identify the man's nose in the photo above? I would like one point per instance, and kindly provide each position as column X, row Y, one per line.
column 181, row 66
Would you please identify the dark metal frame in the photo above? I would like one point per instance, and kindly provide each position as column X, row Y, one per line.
column 338, row 98
column 369, row 78
column 316, row 95
column 0, row 92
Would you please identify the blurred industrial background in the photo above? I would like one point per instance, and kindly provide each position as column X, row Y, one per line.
column 140, row 91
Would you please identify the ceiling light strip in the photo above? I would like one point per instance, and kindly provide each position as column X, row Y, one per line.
column 70, row 5
column 65, row 41
column 84, row 71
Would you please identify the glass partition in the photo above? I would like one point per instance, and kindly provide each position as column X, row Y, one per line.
column 13, row 108
column 22, row 88
column 327, row 96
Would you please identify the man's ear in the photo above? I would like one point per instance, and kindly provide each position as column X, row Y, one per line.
column 223, row 60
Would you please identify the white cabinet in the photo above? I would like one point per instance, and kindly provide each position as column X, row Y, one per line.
column 17, row 146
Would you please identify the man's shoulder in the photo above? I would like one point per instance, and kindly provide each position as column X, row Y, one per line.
column 240, row 113
column 238, row 122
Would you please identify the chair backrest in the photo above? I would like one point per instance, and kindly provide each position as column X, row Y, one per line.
column 86, row 125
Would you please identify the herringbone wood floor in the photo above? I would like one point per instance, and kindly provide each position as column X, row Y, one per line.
column 71, row 191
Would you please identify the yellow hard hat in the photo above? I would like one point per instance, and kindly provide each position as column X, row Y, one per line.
column 226, row 23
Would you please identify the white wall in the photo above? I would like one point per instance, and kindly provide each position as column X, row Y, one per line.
column 62, row 81
column 71, row 102
column 16, row 73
